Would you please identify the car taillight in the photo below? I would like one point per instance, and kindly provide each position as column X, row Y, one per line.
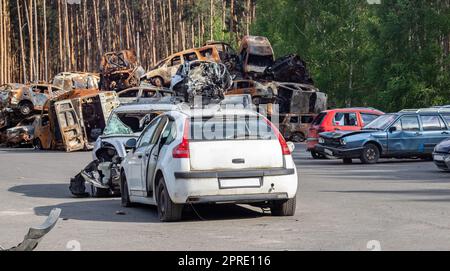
column 182, row 150
column 284, row 147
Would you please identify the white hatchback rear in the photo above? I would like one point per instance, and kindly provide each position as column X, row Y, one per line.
column 216, row 156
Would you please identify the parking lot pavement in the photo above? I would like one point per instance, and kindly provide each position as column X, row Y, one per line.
column 404, row 205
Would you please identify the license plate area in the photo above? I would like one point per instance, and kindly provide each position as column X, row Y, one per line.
column 230, row 183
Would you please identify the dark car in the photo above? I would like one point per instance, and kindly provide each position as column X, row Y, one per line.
column 407, row 134
column 441, row 155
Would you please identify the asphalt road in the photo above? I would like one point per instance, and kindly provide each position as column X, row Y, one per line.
column 403, row 205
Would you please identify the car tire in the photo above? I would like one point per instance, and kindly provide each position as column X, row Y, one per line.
column 370, row 154
column 26, row 108
column 124, row 194
column 284, row 208
column 298, row 138
column 347, row 161
column 158, row 81
column 167, row 210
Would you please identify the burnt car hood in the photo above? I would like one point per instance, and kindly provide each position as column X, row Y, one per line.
column 342, row 134
column 443, row 147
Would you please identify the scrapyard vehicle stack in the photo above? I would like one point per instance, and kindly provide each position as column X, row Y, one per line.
column 120, row 71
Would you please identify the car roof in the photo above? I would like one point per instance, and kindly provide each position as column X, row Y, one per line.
column 145, row 107
column 354, row 109
column 214, row 110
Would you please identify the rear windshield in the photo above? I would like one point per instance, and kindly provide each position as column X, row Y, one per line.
column 319, row 119
column 231, row 128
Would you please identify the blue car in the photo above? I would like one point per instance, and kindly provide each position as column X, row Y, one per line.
column 407, row 134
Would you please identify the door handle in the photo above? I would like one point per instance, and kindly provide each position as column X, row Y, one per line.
column 445, row 133
column 140, row 156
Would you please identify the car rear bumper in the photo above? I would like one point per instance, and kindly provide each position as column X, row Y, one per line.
column 241, row 186
column 244, row 198
column 234, row 174
column 339, row 152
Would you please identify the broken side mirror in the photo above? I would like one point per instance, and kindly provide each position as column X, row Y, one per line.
column 131, row 144
column 392, row 129
column 291, row 146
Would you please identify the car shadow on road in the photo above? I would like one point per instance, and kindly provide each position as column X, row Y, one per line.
column 110, row 210
column 54, row 191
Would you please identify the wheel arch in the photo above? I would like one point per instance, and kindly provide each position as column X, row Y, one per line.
column 377, row 144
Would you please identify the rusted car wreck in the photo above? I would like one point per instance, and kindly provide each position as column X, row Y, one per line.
column 120, row 70
column 73, row 121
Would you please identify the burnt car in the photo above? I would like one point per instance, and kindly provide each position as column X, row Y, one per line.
column 22, row 133
column 76, row 80
column 256, row 55
column 290, row 68
column 26, row 99
column 260, row 93
column 295, row 127
column 144, row 94
column 102, row 175
column 120, row 70
column 227, row 54
column 207, row 79
column 299, row 98
column 162, row 73
column 74, row 120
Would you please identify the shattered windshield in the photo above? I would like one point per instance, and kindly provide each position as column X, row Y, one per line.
column 128, row 123
column 381, row 123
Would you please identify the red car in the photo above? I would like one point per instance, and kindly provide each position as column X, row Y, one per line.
column 347, row 119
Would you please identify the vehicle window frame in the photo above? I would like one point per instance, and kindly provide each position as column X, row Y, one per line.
column 357, row 124
column 410, row 116
column 156, row 121
column 442, row 124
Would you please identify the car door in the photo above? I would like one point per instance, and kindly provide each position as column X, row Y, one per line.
column 152, row 154
column 407, row 137
column 346, row 121
column 135, row 161
column 434, row 131
column 69, row 125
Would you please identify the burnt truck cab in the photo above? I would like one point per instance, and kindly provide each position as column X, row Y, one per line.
column 74, row 120
column 256, row 55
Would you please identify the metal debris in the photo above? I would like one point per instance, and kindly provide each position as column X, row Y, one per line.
column 35, row 234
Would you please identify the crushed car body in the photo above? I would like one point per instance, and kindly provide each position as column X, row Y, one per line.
column 162, row 73
column 102, row 175
column 74, row 120
column 76, row 80
column 120, row 70
column 207, row 79
column 256, row 55
column 22, row 133
column 23, row 100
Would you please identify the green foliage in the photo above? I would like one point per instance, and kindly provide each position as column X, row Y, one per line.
column 390, row 56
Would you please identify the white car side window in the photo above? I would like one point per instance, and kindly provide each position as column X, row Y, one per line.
column 144, row 140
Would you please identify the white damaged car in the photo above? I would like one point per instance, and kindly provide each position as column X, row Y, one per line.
column 209, row 156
